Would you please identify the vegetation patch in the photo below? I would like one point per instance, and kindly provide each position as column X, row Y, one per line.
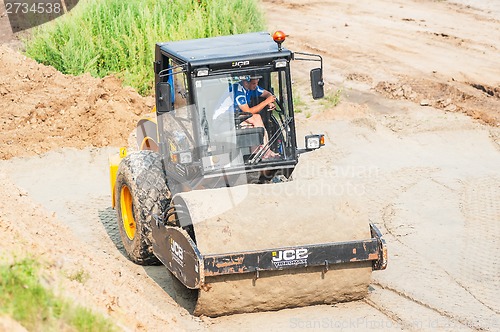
column 332, row 98
column 24, row 298
column 104, row 37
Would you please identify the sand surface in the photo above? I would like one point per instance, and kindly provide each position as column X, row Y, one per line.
column 415, row 140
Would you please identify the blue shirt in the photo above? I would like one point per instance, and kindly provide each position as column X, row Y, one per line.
column 236, row 96
column 243, row 96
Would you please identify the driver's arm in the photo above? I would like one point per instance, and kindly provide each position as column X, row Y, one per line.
column 260, row 106
column 266, row 94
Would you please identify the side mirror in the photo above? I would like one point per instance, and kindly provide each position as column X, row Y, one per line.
column 317, row 83
column 163, row 97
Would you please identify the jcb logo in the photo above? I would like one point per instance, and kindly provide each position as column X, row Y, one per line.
column 240, row 63
column 290, row 255
column 176, row 249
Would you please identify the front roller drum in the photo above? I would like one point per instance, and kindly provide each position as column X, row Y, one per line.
column 271, row 279
column 316, row 252
column 280, row 289
column 290, row 277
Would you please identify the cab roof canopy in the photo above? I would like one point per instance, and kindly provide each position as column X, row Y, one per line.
column 223, row 49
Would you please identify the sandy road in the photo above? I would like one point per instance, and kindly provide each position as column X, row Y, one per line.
column 432, row 191
column 429, row 177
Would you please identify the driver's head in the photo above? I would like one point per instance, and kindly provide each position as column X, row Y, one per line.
column 251, row 82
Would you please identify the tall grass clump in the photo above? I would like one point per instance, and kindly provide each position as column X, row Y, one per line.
column 105, row 37
column 26, row 300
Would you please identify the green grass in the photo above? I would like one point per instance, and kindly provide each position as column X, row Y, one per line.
column 332, row 98
column 80, row 276
column 26, row 300
column 105, row 37
column 298, row 103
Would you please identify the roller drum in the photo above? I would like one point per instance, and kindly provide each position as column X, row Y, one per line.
column 259, row 217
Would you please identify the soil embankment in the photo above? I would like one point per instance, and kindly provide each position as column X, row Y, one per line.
column 415, row 140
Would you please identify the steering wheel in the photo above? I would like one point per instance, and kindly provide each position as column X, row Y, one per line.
column 242, row 116
column 280, row 105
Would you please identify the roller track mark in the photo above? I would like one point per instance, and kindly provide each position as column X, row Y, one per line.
column 472, row 294
column 109, row 220
column 423, row 304
column 389, row 314
column 385, row 216
column 480, row 206
column 397, row 238
column 385, row 208
column 405, row 188
column 443, row 185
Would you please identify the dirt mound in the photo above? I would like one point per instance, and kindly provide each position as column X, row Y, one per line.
column 115, row 296
column 43, row 109
column 479, row 101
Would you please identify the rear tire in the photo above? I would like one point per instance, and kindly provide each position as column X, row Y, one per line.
column 140, row 192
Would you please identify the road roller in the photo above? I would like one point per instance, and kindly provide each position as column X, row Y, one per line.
column 206, row 187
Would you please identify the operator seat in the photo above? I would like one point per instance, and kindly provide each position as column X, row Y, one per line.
column 248, row 139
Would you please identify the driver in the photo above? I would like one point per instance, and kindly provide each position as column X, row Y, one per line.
column 239, row 98
column 244, row 92
column 247, row 90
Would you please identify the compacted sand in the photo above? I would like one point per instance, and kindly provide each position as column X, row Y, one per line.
column 414, row 144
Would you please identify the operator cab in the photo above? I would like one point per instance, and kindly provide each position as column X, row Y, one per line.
column 202, row 133
column 226, row 129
